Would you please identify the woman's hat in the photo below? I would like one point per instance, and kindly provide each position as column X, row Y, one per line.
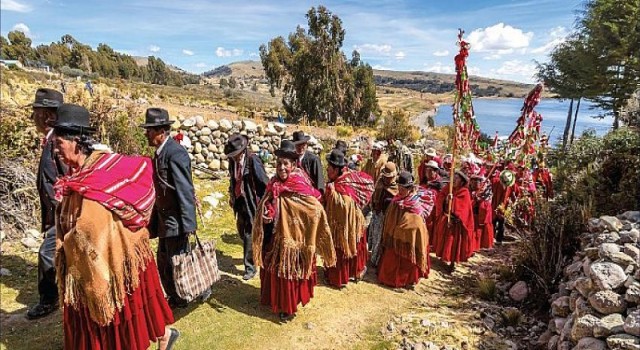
column 287, row 150
column 342, row 146
column 405, row 179
column 336, row 158
column 389, row 170
column 430, row 152
column 47, row 98
column 432, row 164
column 463, row 176
column 155, row 117
column 235, row 145
column 299, row 137
column 72, row 119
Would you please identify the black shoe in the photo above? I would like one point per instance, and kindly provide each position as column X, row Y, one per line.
column 177, row 303
column 284, row 317
column 41, row 310
column 172, row 338
column 248, row 275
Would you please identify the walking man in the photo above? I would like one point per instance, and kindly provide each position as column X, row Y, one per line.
column 248, row 182
column 308, row 161
column 174, row 213
column 49, row 169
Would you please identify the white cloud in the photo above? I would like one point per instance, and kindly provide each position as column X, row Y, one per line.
column 515, row 68
column 154, row 48
column 222, row 52
column 441, row 53
column 254, row 54
column 21, row 27
column 473, row 70
column 187, row 52
column 201, row 65
column 400, row 55
column 494, row 56
column 556, row 36
column 440, row 68
column 13, row 5
column 500, row 38
column 364, row 49
column 380, row 67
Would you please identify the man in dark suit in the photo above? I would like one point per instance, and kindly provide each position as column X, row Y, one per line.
column 49, row 169
column 308, row 161
column 174, row 213
column 248, row 182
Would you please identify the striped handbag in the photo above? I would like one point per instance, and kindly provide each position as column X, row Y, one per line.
column 196, row 270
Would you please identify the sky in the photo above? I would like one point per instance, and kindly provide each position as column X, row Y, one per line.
column 506, row 36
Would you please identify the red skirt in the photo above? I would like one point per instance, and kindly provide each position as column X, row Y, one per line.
column 485, row 234
column 284, row 295
column 397, row 271
column 141, row 320
column 347, row 268
column 453, row 244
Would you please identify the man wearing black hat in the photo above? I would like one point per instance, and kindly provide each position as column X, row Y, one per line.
column 308, row 161
column 49, row 169
column 174, row 213
column 248, row 182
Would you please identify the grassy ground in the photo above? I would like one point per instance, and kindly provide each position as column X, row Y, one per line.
column 352, row 318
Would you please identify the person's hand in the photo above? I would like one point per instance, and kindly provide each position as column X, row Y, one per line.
column 266, row 219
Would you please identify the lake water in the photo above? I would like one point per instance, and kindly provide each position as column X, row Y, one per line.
column 502, row 114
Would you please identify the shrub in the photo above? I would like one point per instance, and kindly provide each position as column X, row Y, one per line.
column 397, row 126
column 511, row 317
column 344, row 131
column 487, row 289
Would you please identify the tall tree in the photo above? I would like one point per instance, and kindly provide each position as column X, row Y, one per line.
column 20, row 47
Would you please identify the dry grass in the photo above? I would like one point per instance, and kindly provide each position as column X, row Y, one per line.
column 512, row 317
column 487, row 289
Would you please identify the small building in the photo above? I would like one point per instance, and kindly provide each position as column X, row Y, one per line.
column 9, row 63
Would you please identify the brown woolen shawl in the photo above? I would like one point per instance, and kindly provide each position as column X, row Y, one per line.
column 346, row 221
column 300, row 232
column 381, row 191
column 406, row 233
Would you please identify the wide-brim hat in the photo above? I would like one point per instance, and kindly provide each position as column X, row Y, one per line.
column 299, row 137
column 342, row 146
column 432, row 164
column 377, row 146
column 389, row 170
column 73, row 119
column 430, row 152
column 405, row 179
column 47, row 98
column 287, row 150
column 236, row 144
column 336, row 158
column 155, row 117
column 463, row 176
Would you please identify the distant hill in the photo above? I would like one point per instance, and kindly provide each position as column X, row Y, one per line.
column 436, row 83
column 143, row 61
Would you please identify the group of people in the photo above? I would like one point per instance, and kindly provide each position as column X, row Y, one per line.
column 100, row 209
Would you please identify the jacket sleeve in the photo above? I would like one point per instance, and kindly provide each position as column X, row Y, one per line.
column 180, row 167
column 260, row 176
column 53, row 169
column 317, row 165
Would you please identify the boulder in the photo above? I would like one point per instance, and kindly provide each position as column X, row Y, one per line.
column 213, row 148
column 592, row 253
column 281, row 127
column 553, row 343
column 200, row 158
column 632, row 251
column 270, row 130
column 188, row 123
column 583, row 286
column 205, row 140
column 556, row 324
column 205, row 131
column 214, row 165
column 237, row 124
column 633, row 293
column 573, row 269
column 560, row 307
column 591, row 344
column 611, row 223
column 519, row 291
column 623, row 342
column 632, row 323
column 608, row 325
column 200, row 121
column 623, row 259
column 607, row 275
column 176, row 124
column 608, row 237
column 607, row 302
column 255, row 148
column 197, row 148
column 608, row 249
column 249, row 126
column 633, row 216
column 30, row 242
column 225, row 125
column 212, row 124
column 583, row 327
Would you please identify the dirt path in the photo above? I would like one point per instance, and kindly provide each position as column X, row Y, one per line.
column 356, row 317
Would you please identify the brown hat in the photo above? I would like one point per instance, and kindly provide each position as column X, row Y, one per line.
column 389, row 170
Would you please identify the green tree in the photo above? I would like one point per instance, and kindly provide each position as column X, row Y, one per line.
column 4, row 47
column 20, row 47
column 232, row 83
column 317, row 80
column 157, row 71
column 224, row 83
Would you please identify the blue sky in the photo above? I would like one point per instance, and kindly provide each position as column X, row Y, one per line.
column 197, row 35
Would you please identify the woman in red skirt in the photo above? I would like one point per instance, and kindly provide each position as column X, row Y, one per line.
column 405, row 240
column 291, row 228
column 107, row 277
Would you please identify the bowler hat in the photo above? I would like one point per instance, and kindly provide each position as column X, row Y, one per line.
column 235, row 145
column 47, row 98
column 299, row 137
column 463, row 176
column 432, row 164
column 287, row 150
column 405, row 179
column 155, row 117
column 72, row 119
column 342, row 146
column 336, row 158
column 389, row 170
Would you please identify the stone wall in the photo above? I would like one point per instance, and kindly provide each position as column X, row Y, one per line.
column 597, row 304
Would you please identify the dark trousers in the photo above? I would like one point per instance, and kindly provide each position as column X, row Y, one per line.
column 47, row 287
column 498, row 226
column 167, row 248
column 244, row 226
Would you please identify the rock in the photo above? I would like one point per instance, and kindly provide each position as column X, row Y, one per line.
column 200, row 158
column 557, row 324
column 255, row 148
column 205, row 131
column 608, row 325
column 634, row 235
column 590, row 344
column 564, row 345
column 633, row 293
column 225, row 125
column 212, row 124
column 623, row 342
column 632, row 251
column 309, row 325
column 583, row 327
column 573, row 298
column 594, row 225
column 489, row 323
column 391, row 327
column 176, row 124
column 425, row 323
column 582, row 307
column 545, row 337
column 30, row 243
column 632, row 323
column 33, row 233
column 205, row 140
column 198, row 148
column 623, row 259
column 560, row 307
column 606, row 275
column 237, row 124
column 583, row 286
column 270, row 130
column 633, row 216
column 249, row 126
column 608, row 249
column 280, row 127
column 5, row 272
column 214, row 165
column 608, row 302
column 573, row 269
column 592, row 253
column 611, row 223
column 188, row 123
column 200, row 121
column 519, row 291
column 212, row 148
column 510, row 330
column 553, row 343
column 609, row 237
column 224, row 165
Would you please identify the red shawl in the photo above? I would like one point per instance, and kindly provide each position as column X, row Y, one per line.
column 461, row 209
column 420, row 203
column 356, row 184
column 297, row 182
column 122, row 184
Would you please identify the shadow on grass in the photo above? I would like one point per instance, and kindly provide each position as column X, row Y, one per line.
column 229, row 264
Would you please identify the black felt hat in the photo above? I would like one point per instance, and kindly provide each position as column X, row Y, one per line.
column 342, row 146
column 236, row 144
column 287, row 150
column 336, row 158
column 72, row 119
column 47, row 98
column 463, row 176
column 299, row 137
column 405, row 179
column 155, row 117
